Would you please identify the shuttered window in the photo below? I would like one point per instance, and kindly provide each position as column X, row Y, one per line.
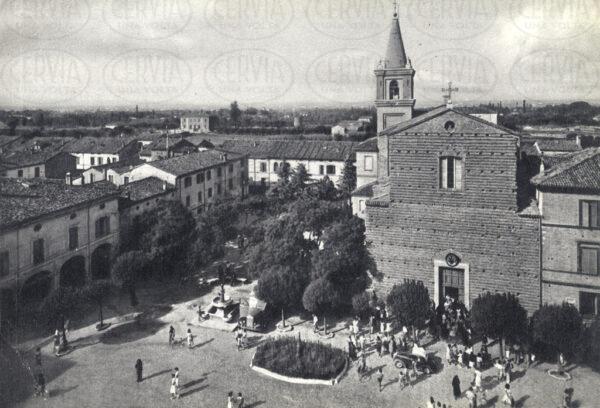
column 451, row 173
column 588, row 214
column 589, row 259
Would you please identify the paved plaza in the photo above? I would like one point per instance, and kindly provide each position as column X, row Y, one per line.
column 99, row 372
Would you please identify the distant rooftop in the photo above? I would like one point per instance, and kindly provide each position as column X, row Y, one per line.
column 369, row 145
column 99, row 145
column 26, row 200
column 145, row 188
column 119, row 166
column 292, row 149
column 188, row 163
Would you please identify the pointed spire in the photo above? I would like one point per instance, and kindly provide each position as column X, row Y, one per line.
column 395, row 56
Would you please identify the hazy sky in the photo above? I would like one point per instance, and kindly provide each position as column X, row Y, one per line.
column 68, row 54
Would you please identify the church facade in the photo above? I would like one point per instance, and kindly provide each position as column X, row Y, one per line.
column 449, row 206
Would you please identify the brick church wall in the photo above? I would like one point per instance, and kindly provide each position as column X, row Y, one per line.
column 501, row 248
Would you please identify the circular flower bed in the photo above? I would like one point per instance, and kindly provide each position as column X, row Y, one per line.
column 292, row 357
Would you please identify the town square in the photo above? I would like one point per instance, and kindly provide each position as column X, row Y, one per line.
column 335, row 203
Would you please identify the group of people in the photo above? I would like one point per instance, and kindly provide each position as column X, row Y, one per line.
column 466, row 357
column 233, row 402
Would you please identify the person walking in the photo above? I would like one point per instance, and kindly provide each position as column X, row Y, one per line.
column 471, row 398
column 380, row 378
column 371, row 325
column 139, row 366
column 508, row 398
column 190, row 338
column 240, row 400
column 173, row 389
column 355, row 325
column 378, row 345
column 56, row 343
column 456, row 387
column 230, row 400
column 430, row 403
column 171, row 335
column 567, row 397
column 315, row 323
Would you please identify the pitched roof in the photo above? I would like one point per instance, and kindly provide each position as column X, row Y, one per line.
column 118, row 166
column 365, row 190
column 98, row 145
column 22, row 200
column 440, row 110
column 189, row 163
column 145, row 188
column 558, row 145
column 14, row 160
column 395, row 55
column 292, row 149
column 5, row 139
column 369, row 145
column 161, row 144
column 579, row 171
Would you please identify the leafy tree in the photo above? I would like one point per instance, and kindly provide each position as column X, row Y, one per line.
column 127, row 269
column 316, row 215
column 282, row 287
column 282, row 244
column 343, row 261
column 235, row 114
column 325, row 189
column 284, row 173
column 557, row 329
column 61, row 305
column 168, row 231
column 320, row 297
column 97, row 292
column 348, row 183
column 499, row 316
column 410, row 305
column 361, row 304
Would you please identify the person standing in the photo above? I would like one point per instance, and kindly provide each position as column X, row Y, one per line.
column 380, row 378
column 430, row 403
column 456, row 387
column 471, row 398
column 190, row 338
column 56, row 343
column 230, row 399
column 378, row 345
column 41, row 382
column 393, row 346
column 171, row 335
column 508, row 398
column 315, row 323
column 240, row 400
column 139, row 366
column 371, row 325
column 355, row 326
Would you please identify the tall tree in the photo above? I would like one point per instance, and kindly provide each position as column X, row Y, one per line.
column 127, row 270
column 557, row 329
column 97, row 292
column 320, row 297
column 61, row 305
column 344, row 258
column 410, row 305
column 235, row 114
column 499, row 316
column 282, row 287
column 348, row 183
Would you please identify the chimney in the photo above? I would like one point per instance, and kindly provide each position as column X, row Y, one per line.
column 69, row 179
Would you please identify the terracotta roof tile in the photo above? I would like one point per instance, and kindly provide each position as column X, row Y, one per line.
column 578, row 171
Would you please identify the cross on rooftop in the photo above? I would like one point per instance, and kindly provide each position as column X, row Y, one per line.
column 449, row 90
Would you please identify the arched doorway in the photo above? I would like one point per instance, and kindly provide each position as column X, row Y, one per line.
column 37, row 287
column 101, row 262
column 72, row 272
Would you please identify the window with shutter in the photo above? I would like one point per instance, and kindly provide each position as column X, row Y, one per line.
column 589, row 255
column 588, row 214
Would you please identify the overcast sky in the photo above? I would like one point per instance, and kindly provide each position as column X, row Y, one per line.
column 67, row 54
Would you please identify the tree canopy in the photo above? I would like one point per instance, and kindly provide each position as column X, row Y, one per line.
column 127, row 269
column 499, row 316
column 348, row 183
column 410, row 304
column 320, row 297
column 557, row 329
column 281, row 286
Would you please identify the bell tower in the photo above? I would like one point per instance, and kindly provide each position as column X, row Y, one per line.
column 395, row 85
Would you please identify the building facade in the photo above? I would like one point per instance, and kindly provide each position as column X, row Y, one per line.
column 568, row 191
column 97, row 151
column 54, row 234
column 447, row 210
column 200, row 178
column 195, row 124
column 265, row 157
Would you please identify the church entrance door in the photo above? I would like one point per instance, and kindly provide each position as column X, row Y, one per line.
column 452, row 283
